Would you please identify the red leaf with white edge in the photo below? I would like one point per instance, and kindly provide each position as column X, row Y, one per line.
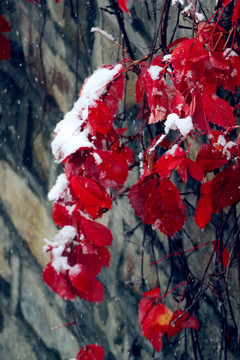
column 114, row 94
column 154, row 320
column 123, row 6
column 181, row 320
column 4, row 25
column 5, row 48
column 91, row 194
column 90, row 352
column 96, row 233
column 100, row 117
column 58, row 282
column 209, row 158
column 219, row 61
column 79, row 278
column 113, row 168
column 61, row 216
column 158, row 102
column 222, row 253
column 218, row 111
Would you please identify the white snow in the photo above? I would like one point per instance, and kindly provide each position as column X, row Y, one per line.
column 104, row 33
column 173, row 122
column 69, row 136
column 63, row 238
column 154, row 71
column 97, row 158
column 58, row 189
column 221, row 140
column 189, row 10
column 229, row 53
column 175, row 2
column 167, row 57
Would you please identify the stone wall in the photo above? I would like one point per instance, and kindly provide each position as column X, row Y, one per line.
column 53, row 51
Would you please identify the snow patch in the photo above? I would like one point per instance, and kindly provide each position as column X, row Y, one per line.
column 58, row 189
column 173, row 122
column 154, row 71
column 71, row 133
column 102, row 32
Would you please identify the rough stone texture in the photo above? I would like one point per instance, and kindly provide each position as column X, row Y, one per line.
column 37, row 86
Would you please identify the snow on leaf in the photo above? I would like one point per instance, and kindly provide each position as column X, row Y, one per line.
column 58, row 283
column 181, row 320
column 91, row 352
column 79, row 278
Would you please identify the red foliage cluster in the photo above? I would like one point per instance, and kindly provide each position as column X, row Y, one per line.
column 156, row 319
column 180, row 88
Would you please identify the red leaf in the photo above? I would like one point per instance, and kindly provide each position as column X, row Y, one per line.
column 181, row 320
column 154, row 293
column 95, row 292
column 58, row 282
column 91, row 194
column 169, row 161
column 100, row 117
column 218, row 111
column 154, row 320
column 114, row 94
column 194, row 170
column 160, row 205
column 236, row 12
column 91, row 352
column 61, row 216
column 158, row 102
column 222, row 253
column 4, row 25
column 223, row 190
column 140, row 196
column 5, row 48
column 96, row 233
column 209, row 158
column 113, row 168
column 168, row 212
column 123, row 6
column 79, row 278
